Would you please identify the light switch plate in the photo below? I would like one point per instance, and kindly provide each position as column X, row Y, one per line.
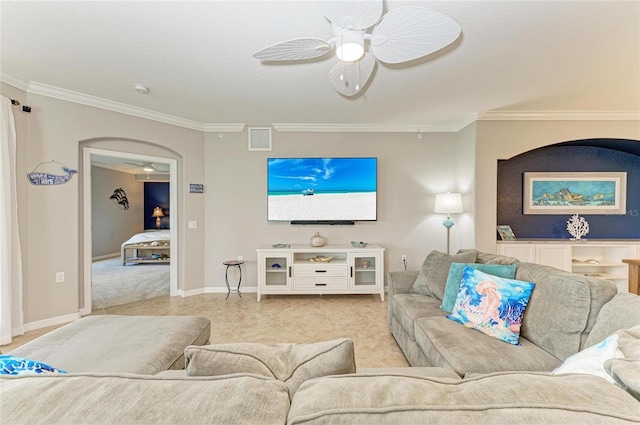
column 193, row 225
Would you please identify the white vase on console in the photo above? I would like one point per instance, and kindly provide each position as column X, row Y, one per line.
column 317, row 240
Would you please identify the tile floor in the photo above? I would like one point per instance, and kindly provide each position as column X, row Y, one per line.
column 285, row 318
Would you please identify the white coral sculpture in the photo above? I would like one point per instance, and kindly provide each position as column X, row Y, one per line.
column 577, row 226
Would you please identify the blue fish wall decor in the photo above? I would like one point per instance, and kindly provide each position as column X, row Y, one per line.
column 39, row 179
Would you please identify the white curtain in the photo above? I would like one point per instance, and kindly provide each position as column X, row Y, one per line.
column 11, row 322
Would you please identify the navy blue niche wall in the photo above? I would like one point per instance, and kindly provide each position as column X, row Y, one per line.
column 156, row 194
column 580, row 155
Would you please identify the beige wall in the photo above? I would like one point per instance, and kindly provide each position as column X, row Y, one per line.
column 231, row 214
column 505, row 139
column 410, row 172
column 51, row 242
column 111, row 224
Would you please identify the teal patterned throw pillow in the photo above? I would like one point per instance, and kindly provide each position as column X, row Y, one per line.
column 455, row 278
column 11, row 365
column 492, row 305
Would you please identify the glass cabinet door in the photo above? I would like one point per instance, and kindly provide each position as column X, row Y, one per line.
column 364, row 270
column 277, row 269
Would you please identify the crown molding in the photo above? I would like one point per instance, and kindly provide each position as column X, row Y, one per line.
column 443, row 127
column 360, row 128
column 14, row 80
column 560, row 116
column 224, row 128
column 109, row 105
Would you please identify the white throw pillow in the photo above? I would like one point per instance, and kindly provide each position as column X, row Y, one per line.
column 591, row 360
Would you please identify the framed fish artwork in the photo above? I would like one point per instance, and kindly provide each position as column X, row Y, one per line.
column 575, row 193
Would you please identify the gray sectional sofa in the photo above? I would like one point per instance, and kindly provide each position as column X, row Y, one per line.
column 558, row 321
column 461, row 376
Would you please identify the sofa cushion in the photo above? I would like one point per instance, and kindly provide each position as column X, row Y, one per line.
column 622, row 312
column 447, row 344
column 507, row 398
column 418, row 372
column 142, row 399
column 591, row 360
column 406, row 308
column 489, row 258
column 435, row 269
column 492, row 305
column 561, row 308
column 454, row 279
column 119, row 344
column 290, row 363
column 626, row 371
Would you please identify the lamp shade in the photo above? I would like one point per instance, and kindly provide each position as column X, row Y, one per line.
column 157, row 212
column 448, row 203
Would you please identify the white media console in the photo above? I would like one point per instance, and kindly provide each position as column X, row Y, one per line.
column 300, row 269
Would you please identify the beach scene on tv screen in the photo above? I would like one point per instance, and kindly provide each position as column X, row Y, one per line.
column 321, row 189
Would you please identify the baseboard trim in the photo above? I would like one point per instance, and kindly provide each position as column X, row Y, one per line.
column 190, row 293
column 32, row 326
column 106, row 256
column 223, row 290
column 215, row 290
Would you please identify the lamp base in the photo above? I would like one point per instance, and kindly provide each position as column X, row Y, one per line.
column 157, row 222
column 448, row 223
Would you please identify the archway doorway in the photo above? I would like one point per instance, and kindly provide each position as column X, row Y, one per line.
column 89, row 154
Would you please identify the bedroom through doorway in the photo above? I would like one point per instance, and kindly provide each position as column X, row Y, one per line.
column 129, row 238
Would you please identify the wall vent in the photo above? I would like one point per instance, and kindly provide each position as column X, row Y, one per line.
column 259, row 138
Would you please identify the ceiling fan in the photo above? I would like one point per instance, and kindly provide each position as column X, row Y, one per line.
column 403, row 34
column 150, row 167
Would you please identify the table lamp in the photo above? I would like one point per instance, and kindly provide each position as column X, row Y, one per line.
column 157, row 213
column 449, row 203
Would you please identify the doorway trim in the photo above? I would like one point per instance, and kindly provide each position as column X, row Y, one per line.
column 174, row 253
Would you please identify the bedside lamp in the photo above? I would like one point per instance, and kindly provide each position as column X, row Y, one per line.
column 157, row 213
column 448, row 203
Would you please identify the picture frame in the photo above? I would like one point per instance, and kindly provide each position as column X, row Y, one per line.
column 505, row 232
column 196, row 188
column 602, row 193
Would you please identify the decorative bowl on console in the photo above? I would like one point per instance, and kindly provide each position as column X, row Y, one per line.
column 358, row 244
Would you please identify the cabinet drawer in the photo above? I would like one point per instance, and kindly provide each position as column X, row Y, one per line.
column 324, row 270
column 321, row 282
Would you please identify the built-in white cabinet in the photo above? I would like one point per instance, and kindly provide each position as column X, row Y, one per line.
column 337, row 269
column 601, row 259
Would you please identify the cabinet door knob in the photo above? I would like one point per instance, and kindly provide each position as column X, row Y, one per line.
column 321, row 284
column 321, row 271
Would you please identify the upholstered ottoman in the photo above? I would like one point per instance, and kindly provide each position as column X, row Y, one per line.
column 119, row 344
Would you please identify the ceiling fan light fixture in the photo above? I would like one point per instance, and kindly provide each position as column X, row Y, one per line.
column 350, row 52
column 350, row 46
column 148, row 168
column 401, row 35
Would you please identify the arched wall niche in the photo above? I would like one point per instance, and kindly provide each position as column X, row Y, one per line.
column 595, row 155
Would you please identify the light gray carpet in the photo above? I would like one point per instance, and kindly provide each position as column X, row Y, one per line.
column 115, row 284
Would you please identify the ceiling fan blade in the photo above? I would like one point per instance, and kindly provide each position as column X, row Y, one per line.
column 408, row 33
column 296, row 49
column 162, row 168
column 355, row 14
column 349, row 78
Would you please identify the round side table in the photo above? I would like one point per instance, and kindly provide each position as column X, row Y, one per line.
column 233, row 263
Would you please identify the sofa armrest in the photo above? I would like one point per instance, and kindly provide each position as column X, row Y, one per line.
column 401, row 282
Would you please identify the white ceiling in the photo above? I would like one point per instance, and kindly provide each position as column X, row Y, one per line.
column 559, row 57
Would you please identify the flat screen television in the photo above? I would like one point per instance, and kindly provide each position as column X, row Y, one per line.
column 331, row 190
